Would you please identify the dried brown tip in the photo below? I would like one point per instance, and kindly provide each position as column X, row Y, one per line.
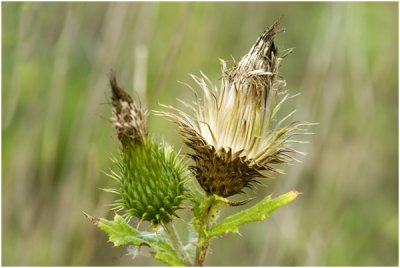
column 118, row 94
column 128, row 118
column 92, row 219
column 257, row 71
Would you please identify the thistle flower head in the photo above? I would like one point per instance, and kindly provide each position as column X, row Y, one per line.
column 233, row 131
column 150, row 177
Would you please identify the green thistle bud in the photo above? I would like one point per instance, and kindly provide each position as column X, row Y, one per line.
column 151, row 176
column 150, row 182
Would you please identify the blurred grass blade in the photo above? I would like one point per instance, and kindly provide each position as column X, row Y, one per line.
column 195, row 193
column 258, row 212
column 121, row 233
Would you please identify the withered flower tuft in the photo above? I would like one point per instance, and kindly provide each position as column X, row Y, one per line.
column 128, row 118
column 234, row 133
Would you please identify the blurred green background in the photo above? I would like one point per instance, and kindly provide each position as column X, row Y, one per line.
column 56, row 140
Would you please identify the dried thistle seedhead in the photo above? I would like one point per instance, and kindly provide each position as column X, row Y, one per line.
column 128, row 118
column 234, row 133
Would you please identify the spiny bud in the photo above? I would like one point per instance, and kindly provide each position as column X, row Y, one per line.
column 234, row 133
column 129, row 119
column 150, row 177
column 150, row 182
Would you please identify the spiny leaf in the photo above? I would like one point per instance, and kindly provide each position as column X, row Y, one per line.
column 258, row 212
column 121, row 233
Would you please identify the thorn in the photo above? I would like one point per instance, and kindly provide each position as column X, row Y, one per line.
column 92, row 219
column 240, row 203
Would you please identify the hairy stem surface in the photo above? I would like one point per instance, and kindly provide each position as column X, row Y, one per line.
column 207, row 219
column 176, row 243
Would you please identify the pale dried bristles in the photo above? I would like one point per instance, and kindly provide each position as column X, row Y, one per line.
column 128, row 118
column 234, row 132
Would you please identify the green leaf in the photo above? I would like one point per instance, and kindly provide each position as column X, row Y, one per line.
column 258, row 212
column 121, row 233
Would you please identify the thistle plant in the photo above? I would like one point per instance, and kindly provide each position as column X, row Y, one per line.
column 150, row 178
column 236, row 141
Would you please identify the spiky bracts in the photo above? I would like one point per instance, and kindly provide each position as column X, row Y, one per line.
column 150, row 177
column 150, row 182
column 234, row 133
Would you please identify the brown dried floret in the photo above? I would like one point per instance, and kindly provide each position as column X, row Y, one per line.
column 128, row 118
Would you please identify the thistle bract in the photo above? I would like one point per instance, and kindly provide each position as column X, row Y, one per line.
column 150, row 182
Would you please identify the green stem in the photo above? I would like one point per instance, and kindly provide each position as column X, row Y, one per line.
column 176, row 243
column 207, row 219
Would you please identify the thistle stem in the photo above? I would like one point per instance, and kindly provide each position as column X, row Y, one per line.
column 203, row 242
column 201, row 253
column 176, row 243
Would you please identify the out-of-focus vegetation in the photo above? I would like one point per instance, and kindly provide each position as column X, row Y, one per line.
column 56, row 140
